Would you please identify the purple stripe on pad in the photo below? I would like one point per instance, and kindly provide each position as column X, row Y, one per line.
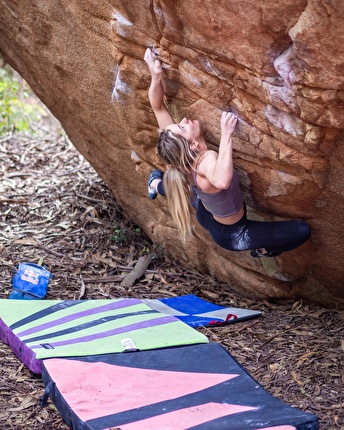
column 74, row 316
column 137, row 326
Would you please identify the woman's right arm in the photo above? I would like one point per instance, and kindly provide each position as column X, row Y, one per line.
column 156, row 90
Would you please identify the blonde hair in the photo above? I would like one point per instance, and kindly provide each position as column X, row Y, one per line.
column 175, row 151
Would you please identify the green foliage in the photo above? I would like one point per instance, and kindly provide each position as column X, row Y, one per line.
column 122, row 234
column 17, row 106
column 119, row 234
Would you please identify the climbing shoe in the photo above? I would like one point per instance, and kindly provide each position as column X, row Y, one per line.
column 152, row 192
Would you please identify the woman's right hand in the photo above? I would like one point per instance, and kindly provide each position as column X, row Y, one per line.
column 228, row 123
column 154, row 65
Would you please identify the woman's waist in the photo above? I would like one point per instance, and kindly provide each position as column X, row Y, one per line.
column 227, row 220
column 231, row 219
column 224, row 205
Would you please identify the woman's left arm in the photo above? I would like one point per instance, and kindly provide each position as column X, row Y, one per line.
column 218, row 168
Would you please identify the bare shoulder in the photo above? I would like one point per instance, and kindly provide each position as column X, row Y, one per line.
column 207, row 162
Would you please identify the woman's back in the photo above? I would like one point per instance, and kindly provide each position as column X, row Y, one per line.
column 223, row 203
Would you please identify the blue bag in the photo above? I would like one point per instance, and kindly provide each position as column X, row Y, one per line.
column 30, row 281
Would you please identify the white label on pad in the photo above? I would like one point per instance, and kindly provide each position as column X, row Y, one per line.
column 129, row 344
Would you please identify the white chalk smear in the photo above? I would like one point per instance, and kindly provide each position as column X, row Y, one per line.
column 120, row 87
column 121, row 24
column 122, row 20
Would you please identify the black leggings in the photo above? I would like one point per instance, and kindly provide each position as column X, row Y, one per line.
column 276, row 236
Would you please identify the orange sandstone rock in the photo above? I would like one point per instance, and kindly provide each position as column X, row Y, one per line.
column 279, row 65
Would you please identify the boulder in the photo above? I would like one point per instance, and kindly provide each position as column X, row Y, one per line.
column 279, row 65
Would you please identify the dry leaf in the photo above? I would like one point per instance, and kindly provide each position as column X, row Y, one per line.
column 26, row 403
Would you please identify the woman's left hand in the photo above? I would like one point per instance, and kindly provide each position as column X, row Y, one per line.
column 228, row 123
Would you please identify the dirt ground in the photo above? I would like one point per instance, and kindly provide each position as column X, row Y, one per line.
column 56, row 208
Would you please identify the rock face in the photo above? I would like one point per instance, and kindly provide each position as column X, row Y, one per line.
column 279, row 65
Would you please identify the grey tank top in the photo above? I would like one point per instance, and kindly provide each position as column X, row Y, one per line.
column 225, row 202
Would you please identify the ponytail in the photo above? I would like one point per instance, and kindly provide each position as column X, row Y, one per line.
column 178, row 193
column 175, row 151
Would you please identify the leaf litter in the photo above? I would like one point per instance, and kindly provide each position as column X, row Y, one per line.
column 54, row 207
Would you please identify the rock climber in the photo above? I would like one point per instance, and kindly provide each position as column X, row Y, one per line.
column 205, row 180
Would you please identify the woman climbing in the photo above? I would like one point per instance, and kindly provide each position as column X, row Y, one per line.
column 206, row 180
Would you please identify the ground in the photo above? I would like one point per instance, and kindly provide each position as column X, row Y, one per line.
column 56, row 209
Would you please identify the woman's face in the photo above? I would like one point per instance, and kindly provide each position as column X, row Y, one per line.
column 187, row 128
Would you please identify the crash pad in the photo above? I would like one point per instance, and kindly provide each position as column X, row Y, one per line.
column 198, row 312
column 192, row 387
column 40, row 329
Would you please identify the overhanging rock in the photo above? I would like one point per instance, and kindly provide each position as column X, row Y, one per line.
column 280, row 66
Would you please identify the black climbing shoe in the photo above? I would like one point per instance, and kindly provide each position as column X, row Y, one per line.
column 156, row 174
